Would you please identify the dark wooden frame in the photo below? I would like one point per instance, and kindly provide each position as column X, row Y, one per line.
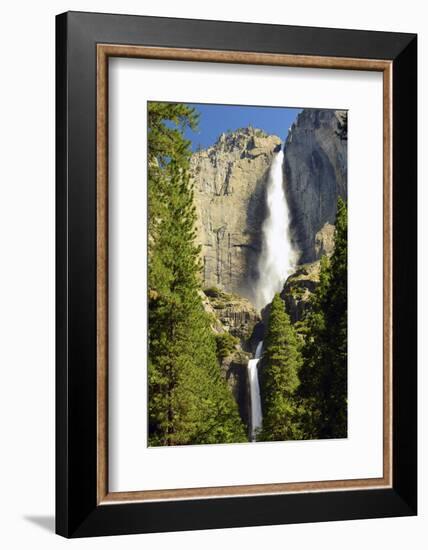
column 84, row 507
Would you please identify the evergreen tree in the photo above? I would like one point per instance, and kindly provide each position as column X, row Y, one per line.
column 281, row 364
column 324, row 374
column 189, row 401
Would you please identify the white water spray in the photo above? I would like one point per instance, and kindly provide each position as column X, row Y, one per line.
column 278, row 256
column 256, row 406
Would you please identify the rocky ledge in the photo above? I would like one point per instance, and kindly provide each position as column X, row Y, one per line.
column 232, row 314
column 234, row 321
column 299, row 288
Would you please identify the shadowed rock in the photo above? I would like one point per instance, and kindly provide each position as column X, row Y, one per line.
column 315, row 170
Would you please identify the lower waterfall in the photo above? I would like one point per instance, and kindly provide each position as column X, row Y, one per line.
column 256, row 405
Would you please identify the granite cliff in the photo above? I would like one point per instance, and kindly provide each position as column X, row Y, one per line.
column 229, row 183
column 315, row 174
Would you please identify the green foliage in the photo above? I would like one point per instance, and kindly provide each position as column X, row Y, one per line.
column 297, row 292
column 324, row 374
column 226, row 344
column 213, row 292
column 281, row 364
column 189, row 401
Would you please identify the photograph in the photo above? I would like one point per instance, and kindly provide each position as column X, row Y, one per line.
column 247, row 273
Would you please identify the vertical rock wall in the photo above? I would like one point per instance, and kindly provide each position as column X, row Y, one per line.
column 229, row 184
column 315, row 170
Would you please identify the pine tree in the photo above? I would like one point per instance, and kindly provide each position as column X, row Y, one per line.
column 324, row 374
column 281, row 364
column 189, row 401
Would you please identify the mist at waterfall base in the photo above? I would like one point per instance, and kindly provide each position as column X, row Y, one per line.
column 276, row 263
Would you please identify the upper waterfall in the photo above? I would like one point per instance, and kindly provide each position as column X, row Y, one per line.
column 278, row 256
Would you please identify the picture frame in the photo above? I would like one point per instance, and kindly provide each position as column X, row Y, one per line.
column 84, row 44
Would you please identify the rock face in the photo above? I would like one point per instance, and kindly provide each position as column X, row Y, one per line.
column 298, row 290
column 229, row 185
column 315, row 170
column 324, row 240
column 236, row 316
column 232, row 314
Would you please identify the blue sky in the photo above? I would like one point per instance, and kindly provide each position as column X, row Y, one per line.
column 216, row 119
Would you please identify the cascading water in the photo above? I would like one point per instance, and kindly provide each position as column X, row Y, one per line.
column 256, row 406
column 275, row 265
column 278, row 256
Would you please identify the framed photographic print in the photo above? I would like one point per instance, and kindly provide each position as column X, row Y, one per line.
column 236, row 274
